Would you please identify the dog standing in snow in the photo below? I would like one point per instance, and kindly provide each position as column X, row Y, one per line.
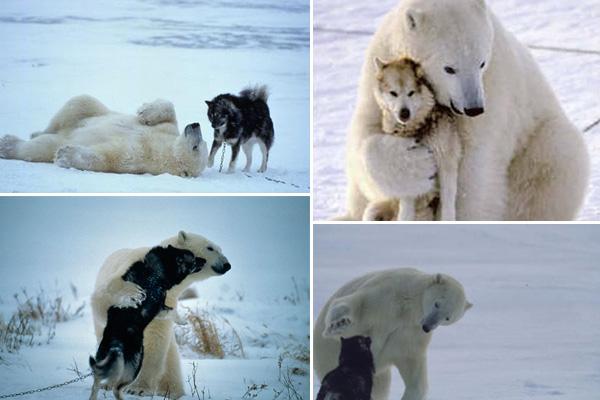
column 241, row 121
column 119, row 357
column 409, row 109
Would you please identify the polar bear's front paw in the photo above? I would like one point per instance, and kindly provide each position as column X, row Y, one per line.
column 8, row 146
column 130, row 295
column 386, row 210
column 338, row 326
column 338, row 320
column 400, row 167
column 78, row 157
column 156, row 112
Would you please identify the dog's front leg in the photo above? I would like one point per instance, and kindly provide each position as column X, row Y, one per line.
column 235, row 150
column 216, row 145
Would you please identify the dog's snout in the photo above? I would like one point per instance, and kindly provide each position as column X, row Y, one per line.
column 195, row 125
column 473, row 112
column 404, row 114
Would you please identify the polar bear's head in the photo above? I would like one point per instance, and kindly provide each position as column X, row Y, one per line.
column 216, row 263
column 452, row 40
column 444, row 302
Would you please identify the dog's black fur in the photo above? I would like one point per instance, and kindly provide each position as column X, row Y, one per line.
column 123, row 336
column 353, row 378
column 237, row 119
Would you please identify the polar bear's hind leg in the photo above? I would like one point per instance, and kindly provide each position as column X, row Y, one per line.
column 75, row 110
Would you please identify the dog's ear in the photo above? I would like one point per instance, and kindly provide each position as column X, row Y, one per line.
column 170, row 247
column 208, row 102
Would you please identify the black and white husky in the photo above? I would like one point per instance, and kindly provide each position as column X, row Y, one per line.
column 353, row 378
column 121, row 351
column 242, row 121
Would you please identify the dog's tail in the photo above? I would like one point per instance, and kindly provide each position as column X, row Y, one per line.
column 256, row 92
column 111, row 366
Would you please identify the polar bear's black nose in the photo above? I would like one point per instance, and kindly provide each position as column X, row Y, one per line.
column 426, row 329
column 404, row 114
column 226, row 267
column 473, row 112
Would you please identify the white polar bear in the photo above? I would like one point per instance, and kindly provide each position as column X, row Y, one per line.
column 397, row 309
column 522, row 160
column 86, row 135
column 161, row 370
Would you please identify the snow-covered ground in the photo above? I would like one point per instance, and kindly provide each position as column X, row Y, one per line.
column 534, row 328
column 129, row 52
column 563, row 36
column 51, row 243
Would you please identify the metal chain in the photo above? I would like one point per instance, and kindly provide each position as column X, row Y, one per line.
column 6, row 396
column 222, row 157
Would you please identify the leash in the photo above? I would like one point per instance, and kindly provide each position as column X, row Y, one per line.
column 82, row 377
column 222, row 156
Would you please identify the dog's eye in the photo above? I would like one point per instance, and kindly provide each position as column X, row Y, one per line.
column 450, row 70
column 448, row 319
column 411, row 93
column 482, row 65
column 195, row 148
column 209, row 248
column 394, row 93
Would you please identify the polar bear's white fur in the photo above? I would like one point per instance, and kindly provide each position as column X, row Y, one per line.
column 86, row 135
column 523, row 159
column 161, row 371
column 397, row 309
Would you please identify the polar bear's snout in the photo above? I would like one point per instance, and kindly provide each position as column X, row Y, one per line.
column 431, row 321
column 221, row 265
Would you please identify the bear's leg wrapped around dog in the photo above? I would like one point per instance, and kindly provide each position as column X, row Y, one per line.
column 235, row 151
column 414, row 374
column 247, row 147
column 216, row 145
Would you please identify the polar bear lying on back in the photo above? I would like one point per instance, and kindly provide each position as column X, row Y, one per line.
column 86, row 135
column 398, row 309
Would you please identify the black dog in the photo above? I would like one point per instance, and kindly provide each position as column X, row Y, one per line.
column 121, row 351
column 353, row 378
column 241, row 121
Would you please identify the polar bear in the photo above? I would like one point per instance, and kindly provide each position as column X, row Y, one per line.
column 86, row 135
column 522, row 158
column 161, row 370
column 398, row 309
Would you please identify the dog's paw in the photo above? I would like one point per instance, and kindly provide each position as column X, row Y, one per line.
column 8, row 146
column 131, row 295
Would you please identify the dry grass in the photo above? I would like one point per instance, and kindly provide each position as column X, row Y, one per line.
column 209, row 335
column 34, row 321
column 199, row 394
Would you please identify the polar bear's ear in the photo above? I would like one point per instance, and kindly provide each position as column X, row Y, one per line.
column 438, row 279
column 181, row 237
column 414, row 19
column 379, row 63
column 468, row 305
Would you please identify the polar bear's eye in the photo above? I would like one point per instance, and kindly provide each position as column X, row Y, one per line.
column 482, row 65
column 448, row 319
column 411, row 93
column 436, row 305
column 209, row 248
column 450, row 70
column 394, row 93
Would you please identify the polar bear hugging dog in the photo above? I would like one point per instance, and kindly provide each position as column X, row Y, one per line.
column 523, row 159
column 161, row 371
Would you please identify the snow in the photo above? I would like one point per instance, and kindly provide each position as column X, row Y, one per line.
column 129, row 52
column 264, row 298
column 533, row 331
column 562, row 35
